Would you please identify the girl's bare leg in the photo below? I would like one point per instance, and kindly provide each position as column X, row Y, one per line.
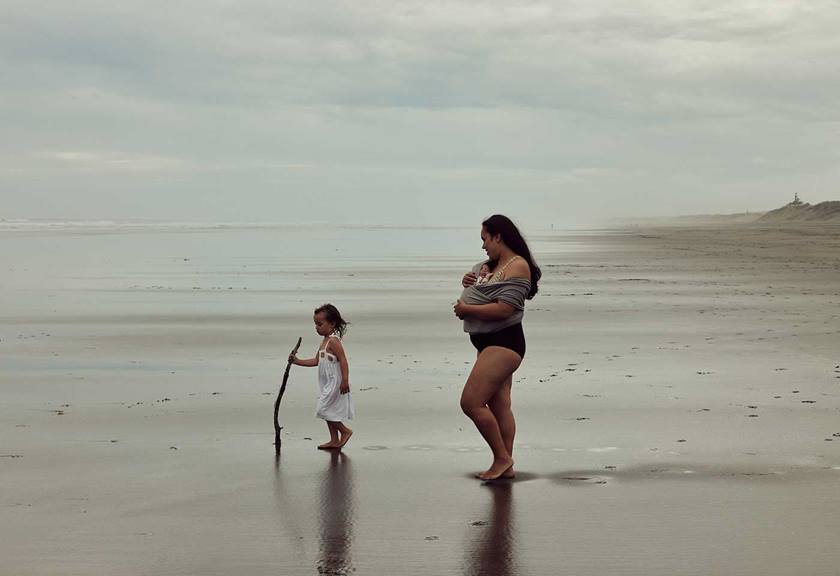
column 494, row 366
column 500, row 407
column 333, row 443
column 344, row 432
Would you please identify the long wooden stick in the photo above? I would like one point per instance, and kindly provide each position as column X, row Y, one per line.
column 277, row 427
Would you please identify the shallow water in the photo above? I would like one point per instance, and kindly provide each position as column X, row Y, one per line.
column 676, row 409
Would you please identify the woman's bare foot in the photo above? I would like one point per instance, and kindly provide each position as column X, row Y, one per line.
column 497, row 470
column 344, row 438
column 509, row 473
column 329, row 445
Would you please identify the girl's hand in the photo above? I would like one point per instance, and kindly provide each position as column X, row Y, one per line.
column 469, row 279
column 344, row 388
column 460, row 309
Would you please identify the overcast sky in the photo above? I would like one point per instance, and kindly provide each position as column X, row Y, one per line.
column 416, row 112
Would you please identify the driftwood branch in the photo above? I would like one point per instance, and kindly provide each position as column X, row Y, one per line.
column 277, row 427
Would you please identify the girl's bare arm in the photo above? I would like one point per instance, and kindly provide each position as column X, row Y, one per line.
column 309, row 362
column 338, row 350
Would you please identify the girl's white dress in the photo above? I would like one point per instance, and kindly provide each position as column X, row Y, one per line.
column 332, row 404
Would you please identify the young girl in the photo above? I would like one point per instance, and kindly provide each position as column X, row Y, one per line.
column 334, row 401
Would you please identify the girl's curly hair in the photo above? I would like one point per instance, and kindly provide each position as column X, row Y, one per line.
column 333, row 316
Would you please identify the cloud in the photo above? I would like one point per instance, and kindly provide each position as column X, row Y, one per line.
column 575, row 55
column 109, row 161
column 587, row 100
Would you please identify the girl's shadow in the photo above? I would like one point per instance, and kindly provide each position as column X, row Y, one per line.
column 336, row 516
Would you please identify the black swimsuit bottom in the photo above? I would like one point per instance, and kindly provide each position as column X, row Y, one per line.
column 512, row 338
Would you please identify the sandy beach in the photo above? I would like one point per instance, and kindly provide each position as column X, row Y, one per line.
column 678, row 409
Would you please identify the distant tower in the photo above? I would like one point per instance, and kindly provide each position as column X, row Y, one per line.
column 796, row 200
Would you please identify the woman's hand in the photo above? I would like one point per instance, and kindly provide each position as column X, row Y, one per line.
column 468, row 279
column 293, row 359
column 460, row 309
column 344, row 388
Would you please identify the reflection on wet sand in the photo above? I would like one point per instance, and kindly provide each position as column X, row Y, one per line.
column 492, row 552
column 287, row 514
column 336, row 516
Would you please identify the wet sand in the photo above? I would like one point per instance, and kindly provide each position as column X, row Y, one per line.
column 678, row 413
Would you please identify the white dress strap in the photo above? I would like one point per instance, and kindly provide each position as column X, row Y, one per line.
column 323, row 352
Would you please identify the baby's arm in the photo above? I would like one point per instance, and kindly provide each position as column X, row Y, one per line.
column 338, row 350
column 309, row 362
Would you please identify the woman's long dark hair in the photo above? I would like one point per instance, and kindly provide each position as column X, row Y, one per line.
column 333, row 316
column 512, row 237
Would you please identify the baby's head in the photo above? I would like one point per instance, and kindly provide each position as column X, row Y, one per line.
column 328, row 320
column 484, row 270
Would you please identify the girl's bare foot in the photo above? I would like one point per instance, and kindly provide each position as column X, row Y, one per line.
column 497, row 470
column 345, row 436
column 328, row 445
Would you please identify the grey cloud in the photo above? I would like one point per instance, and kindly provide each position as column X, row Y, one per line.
column 596, row 101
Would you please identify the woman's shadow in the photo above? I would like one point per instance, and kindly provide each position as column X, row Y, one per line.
column 336, row 516
column 492, row 553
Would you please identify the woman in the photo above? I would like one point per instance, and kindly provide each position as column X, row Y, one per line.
column 492, row 306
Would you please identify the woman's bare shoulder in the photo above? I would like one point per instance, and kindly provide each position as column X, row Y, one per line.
column 519, row 269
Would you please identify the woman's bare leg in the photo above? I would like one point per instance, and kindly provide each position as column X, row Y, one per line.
column 500, row 407
column 492, row 368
